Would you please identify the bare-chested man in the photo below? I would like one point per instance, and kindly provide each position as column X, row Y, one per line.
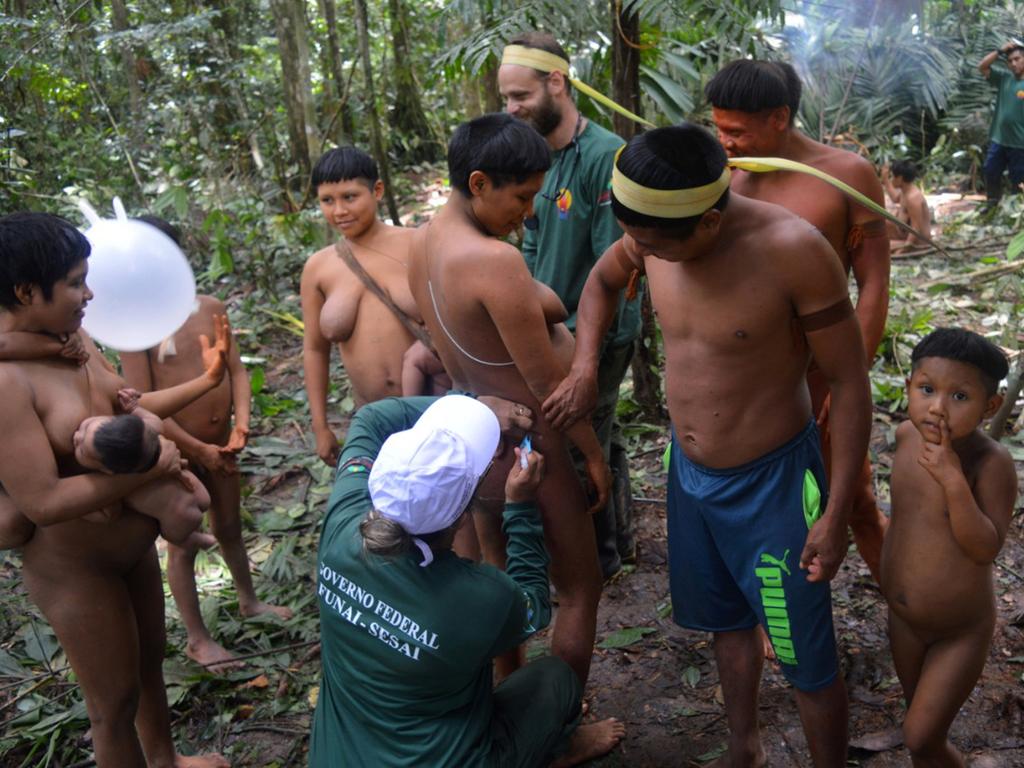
column 754, row 104
column 97, row 584
column 337, row 306
column 745, row 293
column 487, row 319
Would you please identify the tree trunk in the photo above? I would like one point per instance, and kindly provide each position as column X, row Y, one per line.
column 625, row 69
column 295, row 82
column 408, row 116
column 130, row 67
column 333, row 64
column 626, row 91
column 489, row 83
column 376, row 139
column 468, row 96
column 231, row 117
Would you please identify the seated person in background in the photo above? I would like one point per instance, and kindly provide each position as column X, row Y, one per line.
column 409, row 629
column 204, row 433
column 953, row 493
column 913, row 206
column 339, row 306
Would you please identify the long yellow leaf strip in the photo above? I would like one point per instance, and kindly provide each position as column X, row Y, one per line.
column 543, row 61
column 769, row 164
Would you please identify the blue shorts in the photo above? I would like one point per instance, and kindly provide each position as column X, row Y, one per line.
column 735, row 537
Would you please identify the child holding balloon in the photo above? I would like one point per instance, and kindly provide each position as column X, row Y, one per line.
column 204, row 433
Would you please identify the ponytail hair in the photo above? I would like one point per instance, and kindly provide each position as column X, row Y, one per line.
column 384, row 537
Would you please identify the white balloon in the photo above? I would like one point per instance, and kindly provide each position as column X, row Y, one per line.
column 143, row 286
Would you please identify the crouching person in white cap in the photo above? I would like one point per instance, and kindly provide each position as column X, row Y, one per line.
column 409, row 629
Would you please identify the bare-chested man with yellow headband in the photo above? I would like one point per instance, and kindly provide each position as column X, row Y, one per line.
column 754, row 104
column 745, row 292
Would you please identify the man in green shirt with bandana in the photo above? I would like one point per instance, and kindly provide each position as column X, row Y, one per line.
column 1006, row 148
column 409, row 628
column 572, row 227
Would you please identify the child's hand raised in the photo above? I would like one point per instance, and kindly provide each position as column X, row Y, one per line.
column 236, row 442
column 74, row 350
column 215, row 356
column 939, row 458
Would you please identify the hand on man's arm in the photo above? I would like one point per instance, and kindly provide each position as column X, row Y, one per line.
column 576, row 396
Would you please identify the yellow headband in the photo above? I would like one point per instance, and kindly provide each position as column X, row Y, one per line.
column 666, row 203
column 534, row 58
column 542, row 61
column 682, row 203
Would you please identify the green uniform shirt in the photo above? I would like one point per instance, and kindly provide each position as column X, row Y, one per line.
column 1008, row 120
column 574, row 231
column 407, row 650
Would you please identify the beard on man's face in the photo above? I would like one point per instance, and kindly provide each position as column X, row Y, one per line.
column 546, row 117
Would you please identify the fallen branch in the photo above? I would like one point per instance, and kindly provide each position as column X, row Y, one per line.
column 1002, row 564
column 978, row 275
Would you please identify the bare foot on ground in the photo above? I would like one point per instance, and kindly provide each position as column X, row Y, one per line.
column 213, row 656
column 760, row 760
column 590, row 741
column 211, row 760
column 259, row 608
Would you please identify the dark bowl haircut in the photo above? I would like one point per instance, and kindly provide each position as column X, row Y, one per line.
column 37, row 249
column 164, row 226
column 905, row 169
column 677, row 157
column 967, row 347
column 344, row 164
column 755, row 86
column 505, row 148
column 124, row 444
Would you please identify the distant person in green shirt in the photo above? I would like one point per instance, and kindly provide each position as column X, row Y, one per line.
column 1006, row 146
column 409, row 629
column 572, row 226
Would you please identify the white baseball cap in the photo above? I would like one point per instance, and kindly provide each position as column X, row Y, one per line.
column 424, row 477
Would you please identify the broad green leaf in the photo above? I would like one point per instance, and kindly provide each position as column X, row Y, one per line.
column 1013, row 250
column 712, row 754
column 625, row 637
column 691, row 676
